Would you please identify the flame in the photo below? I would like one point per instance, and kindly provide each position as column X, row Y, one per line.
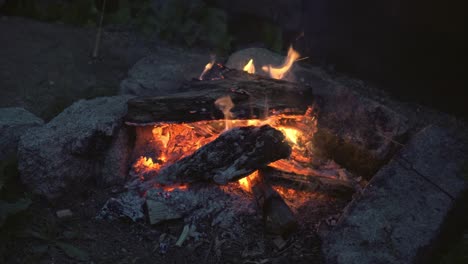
column 247, row 182
column 172, row 142
column 250, row 67
column 291, row 134
column 207, row 68
column 281, row 71
column 225, row 104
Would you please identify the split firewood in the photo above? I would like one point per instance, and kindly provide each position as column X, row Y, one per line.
column 235, row 154
column 278, row 217
column 253, row 97
column 320, row 184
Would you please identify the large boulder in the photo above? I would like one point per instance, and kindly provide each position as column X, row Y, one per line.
column 72, row 148
column 14, row 121
column 163, row 72
column 399, row 215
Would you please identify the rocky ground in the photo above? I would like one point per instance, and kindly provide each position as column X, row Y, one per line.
column 46, row 67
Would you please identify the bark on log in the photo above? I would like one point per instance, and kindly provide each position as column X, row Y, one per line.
column 278, row 217
column 320, row 184
column 233, row 155
column 254, row 97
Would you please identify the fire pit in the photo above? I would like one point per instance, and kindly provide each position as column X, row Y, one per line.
column 242, row 140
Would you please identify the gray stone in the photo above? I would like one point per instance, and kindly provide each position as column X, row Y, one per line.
column 14, row 122
column 60, row 156
column 163, row 72
column 401, row 211
column 357, row 132
column 116, row 166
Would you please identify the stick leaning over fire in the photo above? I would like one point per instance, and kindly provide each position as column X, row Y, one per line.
column 233, row 155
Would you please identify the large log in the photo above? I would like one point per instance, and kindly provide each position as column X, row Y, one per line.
column 277, row 216
column 253, row 96
column 233, row 155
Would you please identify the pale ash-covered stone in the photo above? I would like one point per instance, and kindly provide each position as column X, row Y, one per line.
column 163, row 72
column 14, row 121
column 60, row 156
column 401, row 211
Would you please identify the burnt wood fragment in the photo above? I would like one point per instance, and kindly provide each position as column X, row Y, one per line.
column 253, row 96
column 278, row 217
column 326, row 185
column 233, row 155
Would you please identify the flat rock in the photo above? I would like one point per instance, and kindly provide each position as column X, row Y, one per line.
column 14, row 121
column 400, row 213
column 163, row 72
column 60, row 156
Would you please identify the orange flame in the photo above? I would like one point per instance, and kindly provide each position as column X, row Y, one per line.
column 281, row 71
column 247, row 182
column 250, row 67
column 207, row 68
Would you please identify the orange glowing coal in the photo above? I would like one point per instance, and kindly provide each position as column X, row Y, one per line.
column 246, row 183
column 281, row 71
column 249, row 67
column 173, row 142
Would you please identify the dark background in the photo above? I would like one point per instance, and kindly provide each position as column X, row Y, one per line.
column 414, row 50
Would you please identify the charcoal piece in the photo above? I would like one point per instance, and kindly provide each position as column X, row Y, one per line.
column 233, row 155
column 326, row 185
column 278, row 217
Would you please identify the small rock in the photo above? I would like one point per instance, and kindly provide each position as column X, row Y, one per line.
column 279, row 242
column 65, row 213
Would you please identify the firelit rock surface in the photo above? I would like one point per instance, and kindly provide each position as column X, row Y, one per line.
column 355, row 131
column 14, row 121
column 163, row 72
column 70, row 149
column 400, row 213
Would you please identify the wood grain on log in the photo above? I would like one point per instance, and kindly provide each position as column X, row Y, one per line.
column 320, row 184
column 235, row 154
column 254, row 97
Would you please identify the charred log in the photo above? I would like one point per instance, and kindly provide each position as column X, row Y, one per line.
column 253, row 96
column 233, row 155
column 278, row 217
column 326, row 185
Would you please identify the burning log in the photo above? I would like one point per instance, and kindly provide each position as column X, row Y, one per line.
column 278, row 217
column 321, row 184
column 253, row 96
column 233, row 155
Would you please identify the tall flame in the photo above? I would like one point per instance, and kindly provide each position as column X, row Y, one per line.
column 281, row 71
column 250, row 67
column 207, row 68
column 225, row 104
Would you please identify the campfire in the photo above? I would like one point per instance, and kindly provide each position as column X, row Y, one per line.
column 230, row 135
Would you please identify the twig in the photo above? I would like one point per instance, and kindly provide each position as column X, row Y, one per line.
column 99, row 32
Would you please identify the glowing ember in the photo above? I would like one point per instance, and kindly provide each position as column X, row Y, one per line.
column 247, row 182
column 281, row 71
column 250, row 67
column 173, row 142
column 291, row 134
column 207, row 68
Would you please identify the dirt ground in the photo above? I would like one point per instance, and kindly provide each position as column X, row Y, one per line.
column 33, row 236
